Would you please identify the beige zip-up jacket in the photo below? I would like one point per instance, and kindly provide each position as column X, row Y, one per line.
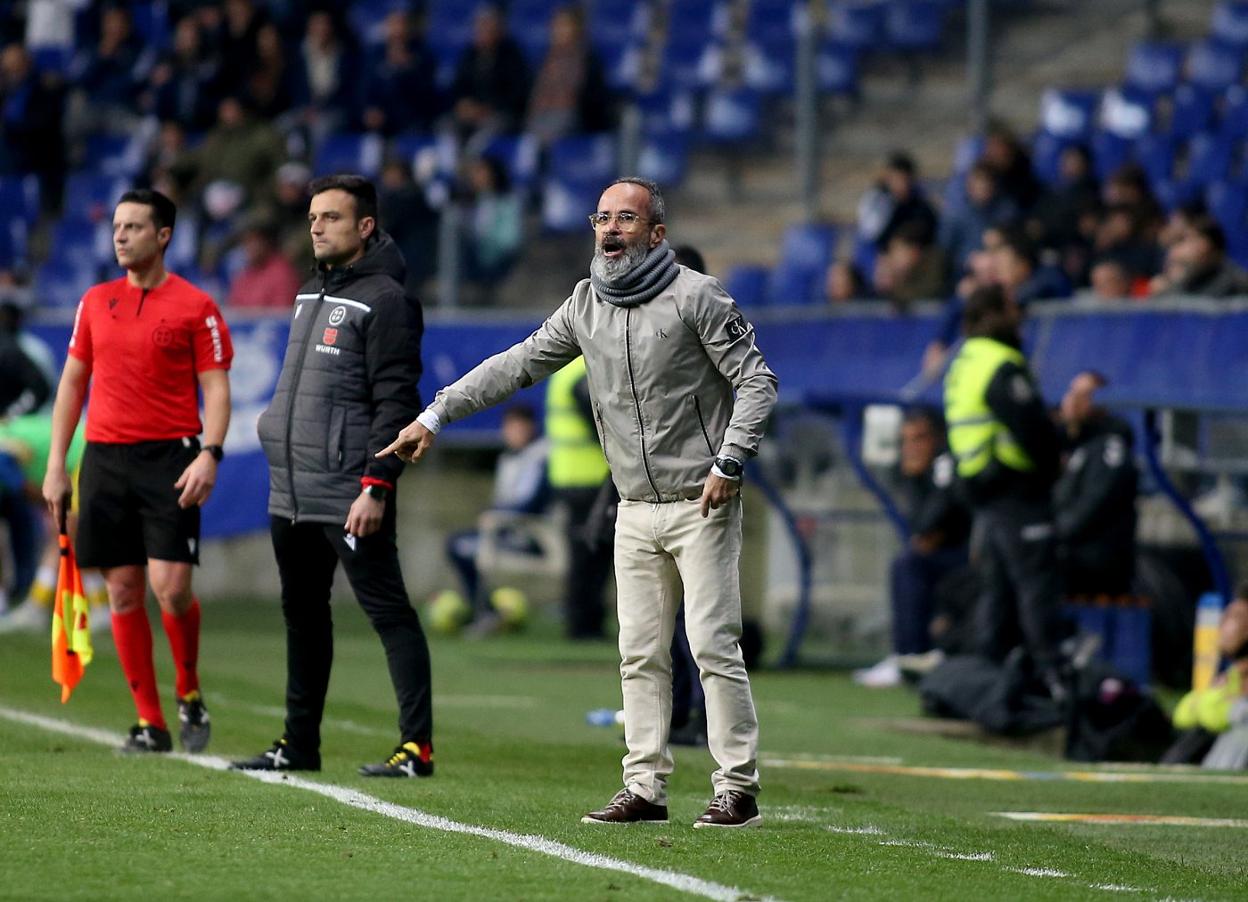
column 662, row 375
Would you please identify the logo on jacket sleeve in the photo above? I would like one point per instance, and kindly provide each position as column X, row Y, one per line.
column 330, row 336
column 737, row 327
column 337, row 315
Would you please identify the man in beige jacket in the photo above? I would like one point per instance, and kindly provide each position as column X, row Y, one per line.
column 681, row 394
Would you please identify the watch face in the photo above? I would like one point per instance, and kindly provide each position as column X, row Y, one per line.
column 729, row 467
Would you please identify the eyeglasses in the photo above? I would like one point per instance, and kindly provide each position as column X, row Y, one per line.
column 627, row 221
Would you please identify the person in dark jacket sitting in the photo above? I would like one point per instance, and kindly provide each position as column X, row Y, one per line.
column 1094, row 498
column 348, row 383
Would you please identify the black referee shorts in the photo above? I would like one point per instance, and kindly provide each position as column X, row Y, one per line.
column 128, row 508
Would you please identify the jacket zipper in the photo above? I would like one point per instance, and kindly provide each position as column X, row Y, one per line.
column 697, row 408
column 290, row 403
column 641, row 429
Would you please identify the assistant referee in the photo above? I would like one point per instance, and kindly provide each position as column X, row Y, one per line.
column 146, row 343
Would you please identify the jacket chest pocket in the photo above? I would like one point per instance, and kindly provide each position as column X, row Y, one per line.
column 335, row 446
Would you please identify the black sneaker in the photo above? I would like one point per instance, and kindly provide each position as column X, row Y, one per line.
column 282, row 756
column 147, row 738
column 626, row 807
column 731, row 809
column 194, row 727
column 411, row 759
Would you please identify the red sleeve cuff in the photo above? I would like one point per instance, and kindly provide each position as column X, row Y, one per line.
column 366, row 481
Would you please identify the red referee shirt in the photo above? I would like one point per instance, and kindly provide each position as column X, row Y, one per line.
column 144, row 349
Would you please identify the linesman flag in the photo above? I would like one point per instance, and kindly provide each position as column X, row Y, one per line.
column 71, row 633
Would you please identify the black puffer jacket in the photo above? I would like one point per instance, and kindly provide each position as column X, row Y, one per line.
column 347, row 386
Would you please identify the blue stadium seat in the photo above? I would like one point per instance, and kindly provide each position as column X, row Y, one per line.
column 1126, row 114
column 770, row 21
column 1046, row 156
column 1214, row 66
column 621, row 63
column 151, row 23
column 665, row 108
column 529, row 24
column 664, row 157
column 617, row 21
column 805, row 255
column 448, row 30
column 366, row 19
column 1209, row 159
column 78, row 251
column 1069, row 115
column 91, row 196
column 586, row 159
column 52, row 60
column 1191, row 111
column 1174, row 192
column 693, row 18
column 58, row 286
column 1156, row 154
column 771, row 66
column 359, row 152
column 682, row 64
column 1234, row 124
column 567, row 202
column 913, row 26
column 969, row 149
column 19, row 198
column 115, row 155
column 836, row 69
column 1154, row 67
column 1109, row 152
column 519, row 156
column 1229, row 23
column 748, row 285
column 732, row 116
column 859, row 23
column 1228, row 204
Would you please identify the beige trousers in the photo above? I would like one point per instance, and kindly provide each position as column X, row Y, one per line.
column 664, row 551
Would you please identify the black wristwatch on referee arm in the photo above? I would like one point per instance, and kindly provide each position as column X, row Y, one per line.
column 216, row 451
column 376, row 492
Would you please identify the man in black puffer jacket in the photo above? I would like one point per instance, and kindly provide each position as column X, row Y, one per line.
column 347, row 385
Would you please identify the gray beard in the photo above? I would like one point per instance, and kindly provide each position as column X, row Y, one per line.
column 608, row 270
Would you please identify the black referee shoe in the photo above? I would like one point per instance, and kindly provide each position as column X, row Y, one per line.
column 411, row 759
column 282, row 756
column 147, row 738
column 194, row 727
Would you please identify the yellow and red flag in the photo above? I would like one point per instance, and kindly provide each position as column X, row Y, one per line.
column 71, row 632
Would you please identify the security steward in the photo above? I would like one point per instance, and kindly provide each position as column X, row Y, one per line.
column 347, row 384
column 1095, row 496
column 1007, row 454
column 576, row 470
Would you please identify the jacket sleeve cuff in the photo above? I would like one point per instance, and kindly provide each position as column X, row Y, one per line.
column 430, row 419
column 736, row 452
column 366, row 481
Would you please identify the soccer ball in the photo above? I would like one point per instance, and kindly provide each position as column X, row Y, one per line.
column 512, row 607
column 448, row 612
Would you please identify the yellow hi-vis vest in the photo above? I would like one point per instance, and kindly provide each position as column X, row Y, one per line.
column 575, row 461
column 976, row 437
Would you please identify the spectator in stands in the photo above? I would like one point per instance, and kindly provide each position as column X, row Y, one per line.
column 570, row 92
column 1006, row 155
column 940, row 525
column 412, row 222
column 1198, row 265
column 962, row 227
column 1054, row 222
column 1020, row 273
column 911, row 267
column 270, row 86
column 240, row 150
column 31, row 112
column 237, row 41
column 288, row 206
column 896, row 199
column 491, row 86
column 1111, row 279
column 267, row 278
column 1126, row 233
column 108, row 78
column 520, row 487
column 328, row 80
column 1094, row 499
column 1006, row 449
column 401, row 91
column 185, row 85
column 493, row 223
column 845, row 283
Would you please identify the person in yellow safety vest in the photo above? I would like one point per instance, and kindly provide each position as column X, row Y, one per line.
column 1007, row 455
column 576, row 470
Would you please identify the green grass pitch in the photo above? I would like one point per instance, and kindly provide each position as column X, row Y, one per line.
column 78, row 821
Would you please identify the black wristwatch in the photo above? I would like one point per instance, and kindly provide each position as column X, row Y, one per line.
column 730, row 467
column 376, row 492
column 216, row 451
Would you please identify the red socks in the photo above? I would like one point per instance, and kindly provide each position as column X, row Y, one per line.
column 183, row 633
column 132, row 634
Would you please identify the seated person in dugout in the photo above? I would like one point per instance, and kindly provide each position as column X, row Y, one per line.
column 940, row 525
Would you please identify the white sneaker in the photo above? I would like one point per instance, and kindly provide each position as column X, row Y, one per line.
column 920, row 664
column 881, row 676
column 26, row 618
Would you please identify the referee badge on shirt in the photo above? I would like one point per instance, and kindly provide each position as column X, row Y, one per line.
column 330, row 336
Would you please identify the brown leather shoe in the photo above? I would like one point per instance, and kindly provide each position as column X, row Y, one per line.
column 627, row 808
column 731, row 809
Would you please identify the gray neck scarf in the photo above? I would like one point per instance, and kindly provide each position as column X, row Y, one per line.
column 641, row 283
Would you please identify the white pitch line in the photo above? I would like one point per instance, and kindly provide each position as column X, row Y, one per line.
column 364, row 802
